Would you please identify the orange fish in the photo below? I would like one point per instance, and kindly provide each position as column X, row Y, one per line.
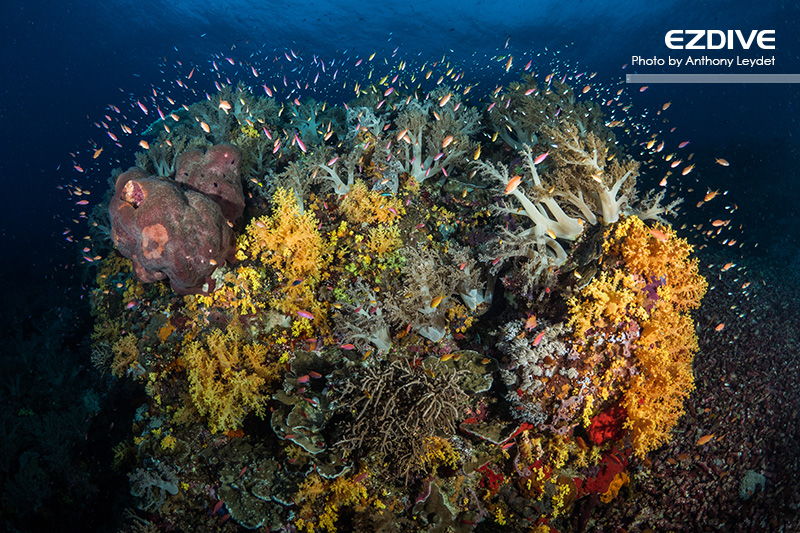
column 722, row 162
column 705, row 439
column 720, row 327
column 710, row 195
column 513, row 183
column 530, row 323
column 659, row 235
column 538, row 338
column 687, row 169
column 144, row 145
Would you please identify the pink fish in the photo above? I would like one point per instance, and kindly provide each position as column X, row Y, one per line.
column 684, row 144
column 142, row 107
column 304, row 379
column 541, row 158
column 305, row 314
column 300, row 143
column 538, row 338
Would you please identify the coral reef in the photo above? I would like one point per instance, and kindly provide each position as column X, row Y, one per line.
column 424, row 330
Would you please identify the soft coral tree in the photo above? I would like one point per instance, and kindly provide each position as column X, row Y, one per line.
column 434, row 137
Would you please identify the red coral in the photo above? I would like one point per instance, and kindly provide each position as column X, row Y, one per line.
column 612, row 463
column 608, row 425
column 167, row 232
column 491, row 480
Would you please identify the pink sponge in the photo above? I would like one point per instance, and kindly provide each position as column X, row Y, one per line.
column 215, row 173
column 168, row 232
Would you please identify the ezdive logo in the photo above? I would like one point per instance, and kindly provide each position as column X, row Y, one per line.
column 712, row 41
column 718, row 39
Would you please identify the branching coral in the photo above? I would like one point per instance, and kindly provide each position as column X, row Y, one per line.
column 392, row 408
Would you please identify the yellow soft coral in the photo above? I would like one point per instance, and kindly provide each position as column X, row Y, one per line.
column 240, row 289
column 322, row 515
column 607, row 300
column 290, row 243
column 382, row 240
column 365, row 206
column 126, row 355
column 650, row 281
column 658, row 254
column 439, row 452
column 227, row 378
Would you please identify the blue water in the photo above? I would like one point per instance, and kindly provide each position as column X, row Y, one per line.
column 65, row 63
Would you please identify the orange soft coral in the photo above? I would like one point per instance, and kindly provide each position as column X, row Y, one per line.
column 650, row 281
